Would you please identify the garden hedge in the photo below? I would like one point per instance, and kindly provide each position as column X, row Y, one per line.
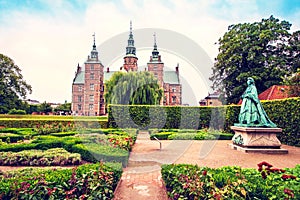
column 34, row 122
column 284, row 113
column 89, row 181
column 184, row 182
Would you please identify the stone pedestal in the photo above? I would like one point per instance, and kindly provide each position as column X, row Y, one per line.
column 257, row 140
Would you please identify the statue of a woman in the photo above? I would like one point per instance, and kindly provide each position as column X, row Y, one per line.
column 252, row 113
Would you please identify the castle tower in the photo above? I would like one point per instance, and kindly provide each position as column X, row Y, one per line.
column 130, row 59
column 93, row 85
column 155, row 65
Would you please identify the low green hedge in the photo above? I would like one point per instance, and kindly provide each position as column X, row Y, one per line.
column 10, row 137
column 189, row 134
column 94, row 152
column 33, row 122
column 55, row 157
column 93, row 181
column 284, row 113
column 193, row 182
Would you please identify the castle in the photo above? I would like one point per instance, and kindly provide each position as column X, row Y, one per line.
column 88, row 85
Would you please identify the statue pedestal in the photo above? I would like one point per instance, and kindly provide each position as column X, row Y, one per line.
column 257, row 140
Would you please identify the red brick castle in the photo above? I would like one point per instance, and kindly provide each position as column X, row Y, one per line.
column 88, row 83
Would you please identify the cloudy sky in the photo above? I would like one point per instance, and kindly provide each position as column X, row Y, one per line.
column 48, row 38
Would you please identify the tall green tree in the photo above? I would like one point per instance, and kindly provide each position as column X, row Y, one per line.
column 13, row 88
column 259, row 50
column 45, row 107
column 133, row 88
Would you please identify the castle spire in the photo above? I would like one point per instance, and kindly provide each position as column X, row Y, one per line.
column 155, row 52
column 130, row 49
column 94, row 52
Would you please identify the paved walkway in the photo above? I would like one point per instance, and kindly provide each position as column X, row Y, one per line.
column 142, row 180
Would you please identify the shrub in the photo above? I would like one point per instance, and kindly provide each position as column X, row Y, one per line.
column 56, row 156
column 96, row 181
column 193, row 182
column 94, row 152
column 161, row 135
column 17, row 112
column 284, row 113
column 10, row 137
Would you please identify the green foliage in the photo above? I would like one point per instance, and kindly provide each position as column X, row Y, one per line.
column 294, row 82
column 66, row 107
column 189, row 134
column 10, row 137
column 34, row 122
column 94, row 152
column 17, row 112
column 133, row 88
column 193, row 182
column 282, row 112
column 56, row 157
column 94, row 181
column 260, row 50
column 12, row 85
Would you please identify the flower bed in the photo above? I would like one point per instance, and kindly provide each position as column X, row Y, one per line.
column 90, row 181
column 193, row 182
column 50, row 157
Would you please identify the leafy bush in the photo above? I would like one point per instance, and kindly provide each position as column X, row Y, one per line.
column 161, row 135
column 10, row 137
column 31, row 122
column 94, row 181
column 284, row 113
column 17, row 112
column 57, row 156
column 94, row 152
column 193, row 182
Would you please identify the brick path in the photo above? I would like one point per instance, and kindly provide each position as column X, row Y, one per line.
column 142, row 180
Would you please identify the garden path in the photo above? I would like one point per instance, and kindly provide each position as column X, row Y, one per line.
column 141, row 179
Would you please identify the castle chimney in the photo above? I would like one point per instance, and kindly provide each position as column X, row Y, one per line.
column 177, row 68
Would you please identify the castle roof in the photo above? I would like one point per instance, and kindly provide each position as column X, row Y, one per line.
column 79, row 78
column 171, row 77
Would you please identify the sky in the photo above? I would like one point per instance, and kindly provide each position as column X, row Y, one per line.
column 48, row 38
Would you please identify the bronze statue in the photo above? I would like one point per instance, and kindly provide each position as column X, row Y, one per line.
column 252, row 113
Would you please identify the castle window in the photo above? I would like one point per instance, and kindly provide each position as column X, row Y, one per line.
column 92, row 67
column 79, row 107
column 173, row 89
column 154, row 67
column 79, row 98
column 91, row 106
column 92, row 76
column 92, row 86
column 80, row 88
column 173, row 99
column 91, row 98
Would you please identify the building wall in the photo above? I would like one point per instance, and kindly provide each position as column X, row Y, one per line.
column 173, row 94
column 130, row 63
column 93, row 89
column 77, row 99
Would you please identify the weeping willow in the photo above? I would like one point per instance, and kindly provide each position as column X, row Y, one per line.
column 133, row 88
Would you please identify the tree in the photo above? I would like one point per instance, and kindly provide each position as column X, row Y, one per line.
column 45, row 107
column 133, row 88
column 12, row 86
column 294, row 82
column 66, row 107
column 259, row 50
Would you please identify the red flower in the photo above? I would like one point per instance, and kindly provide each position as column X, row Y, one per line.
column 204, row 173
column 264, row 163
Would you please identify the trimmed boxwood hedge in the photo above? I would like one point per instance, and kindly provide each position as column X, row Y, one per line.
column 284, row 113
column 34, row 122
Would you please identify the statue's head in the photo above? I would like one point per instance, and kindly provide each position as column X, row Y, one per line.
column 250, row 80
